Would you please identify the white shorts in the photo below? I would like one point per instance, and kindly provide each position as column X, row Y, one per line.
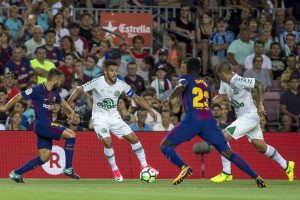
column 104, row 125
column 248, row 125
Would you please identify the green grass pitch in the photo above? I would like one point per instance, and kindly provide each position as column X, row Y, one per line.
column 162, row 189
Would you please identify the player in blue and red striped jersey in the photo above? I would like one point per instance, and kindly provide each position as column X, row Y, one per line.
column 44, row 96
column 199, row 121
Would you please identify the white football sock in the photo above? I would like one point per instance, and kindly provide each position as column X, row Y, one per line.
column 110, row 155
column 140, row 153
column 226, row 165
column 273, row 154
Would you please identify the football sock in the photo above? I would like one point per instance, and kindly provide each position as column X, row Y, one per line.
column 110, row 155
column 171, row 155
column 140, row 153
column 240, row 163
column 69, row 150
column 273, row 154
column 29, row 166
column 226, row 165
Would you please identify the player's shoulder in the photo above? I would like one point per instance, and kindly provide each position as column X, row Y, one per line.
column 121, row 82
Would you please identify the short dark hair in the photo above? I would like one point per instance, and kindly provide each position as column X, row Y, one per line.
column 149, row 60
column 54, row 72
column 193, row 65
column 224, row 67
column 138, row 37
column 274, row 43
column 108, row 63
column 216, row 105
column 94, row 57
column 259, row 42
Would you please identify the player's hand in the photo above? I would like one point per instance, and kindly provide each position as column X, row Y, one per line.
column 71, row 117
column 153, row 115
column 261, row 109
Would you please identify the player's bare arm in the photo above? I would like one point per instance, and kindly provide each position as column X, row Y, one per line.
column 220, row 98
column 177, row 91
column 70, row 112
column 75, row 95
column 260, row 93
column 141, row 102
column 11, row 103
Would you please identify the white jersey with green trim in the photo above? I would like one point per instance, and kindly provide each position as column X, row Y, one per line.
column 239, row 93
column 105, row 97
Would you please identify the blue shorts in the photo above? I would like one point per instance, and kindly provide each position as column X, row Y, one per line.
column 208, row 130
column 46, row 132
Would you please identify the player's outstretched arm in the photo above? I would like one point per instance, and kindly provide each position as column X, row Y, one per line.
column 141, row 102
column 260, row 94
column 70, row 112
column 11, row 103
column 75, row 95
column 220, row 98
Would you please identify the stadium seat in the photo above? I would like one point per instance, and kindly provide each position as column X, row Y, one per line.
column 272, row 107
column 276, row 86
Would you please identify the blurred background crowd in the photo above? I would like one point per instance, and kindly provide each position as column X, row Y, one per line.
column 259, row 38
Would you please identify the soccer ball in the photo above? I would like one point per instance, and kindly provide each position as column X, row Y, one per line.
column 148, row 175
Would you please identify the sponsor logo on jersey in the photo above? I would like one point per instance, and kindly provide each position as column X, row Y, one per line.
column 236, row 104
column 28, row 91
column 245, row 80
column 117, row 93
column 235, row 91
column 104, row 130
column 107, row 104
column 48, row 106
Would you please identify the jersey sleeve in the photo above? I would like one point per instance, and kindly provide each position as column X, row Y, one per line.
column 127, row 89
column 242, row 82
column 90, row 85
column 31, row 93
column 183, row 81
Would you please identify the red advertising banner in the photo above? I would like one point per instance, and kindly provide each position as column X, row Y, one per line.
column 16, row 148
column 127, row 25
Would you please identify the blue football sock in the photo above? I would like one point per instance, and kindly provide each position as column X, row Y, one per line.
column 29, row 166
column 240, row 163
column 69, row 150
column 171, row 154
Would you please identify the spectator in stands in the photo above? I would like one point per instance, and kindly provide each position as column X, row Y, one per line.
column 36, row 41
column 91, row 70
column 68, row 68
column 279, row 21
column 67, row 45
column 174, row 51
column 296, row 72
column 138, row 52
column 20, row 107
column 286, row 74
column 103, row 53
column 133, row 79
column 15, row 122
column 6, row 42
column 96, row 39
column 9, row 81
column 56, row 115
column 86, row 24
column 123, row 108
column 174, row 80
column 289, row 104
column 227, row 112
column 126, row 54
column 81, row 44
column 26, row 32
column 20, row 66
column 289, row 28
column 4, row 57
column 298, row 51
column 221, row 40
column 59, row 28
column 176, row 108
column 253, row 29
column 53, row 53
column 67, row 15
column 239, row 49
column 13, row 23
column 184, row 26
column 146, row 65
column 166, row 124
column 29, row 114
column 3, row 101
column 75, row 124
column 162, row 84
column 268, row 35
column 43, row 14
column 263, row 17
column 41, row 66
column 290, row 47
column 204, row 34
column 141, row 124
column 238, row 22
column 278, row 62
column 116, row 56
column 148, row 96
column 217, row 112
column 259, row 73
column 258, row 51
column 79, row 72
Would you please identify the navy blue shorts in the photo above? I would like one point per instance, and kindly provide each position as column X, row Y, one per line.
column 46, row 132
column 208, row 130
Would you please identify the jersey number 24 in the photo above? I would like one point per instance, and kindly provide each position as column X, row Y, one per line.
column 198, row 99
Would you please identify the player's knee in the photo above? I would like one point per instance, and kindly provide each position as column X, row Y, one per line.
column 260, row 149
column 45, row 158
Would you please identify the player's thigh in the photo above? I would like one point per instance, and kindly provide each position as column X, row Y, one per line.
column 101, row 128
column 255, row 133
column 120, row 129
column 213, row 135
column 183, row 132
column 242, row 125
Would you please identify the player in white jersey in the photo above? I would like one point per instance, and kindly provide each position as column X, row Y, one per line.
column 238, row 90
column 105, row 116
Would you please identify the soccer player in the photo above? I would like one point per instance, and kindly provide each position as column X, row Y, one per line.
column 44, row 96
column 199, row 121
column 238, row 90
column 105, row 116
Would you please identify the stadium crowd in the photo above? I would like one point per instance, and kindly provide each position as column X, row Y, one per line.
column 258, row 38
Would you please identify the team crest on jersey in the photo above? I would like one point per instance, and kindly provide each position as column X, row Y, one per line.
column 107, row 104
column 117, row 93
column 104, row 130
column 235, row 91
column 28, row 91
